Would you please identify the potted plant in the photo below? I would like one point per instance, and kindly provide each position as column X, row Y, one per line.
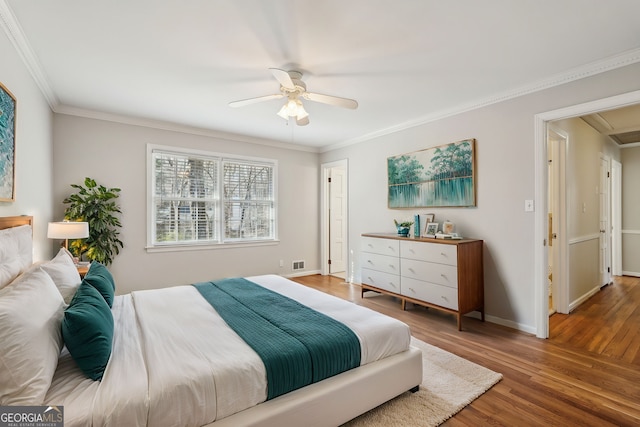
column 96, row 205
column 403, row 227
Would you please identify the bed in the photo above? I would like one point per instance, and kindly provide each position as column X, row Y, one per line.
column 174, row 360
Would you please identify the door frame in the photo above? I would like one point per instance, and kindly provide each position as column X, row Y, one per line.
column 325, row 169
column 541, row 170
column 616, row 218
column 605, row 209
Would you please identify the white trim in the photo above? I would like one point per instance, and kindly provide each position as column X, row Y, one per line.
column 14, row 32
column 303, row 273
column 581, row 239
column 630, row 231
column 540, row 134
column 631, row 273
column 510, row 324
column 209, row 246
column 607, row 64
column 631, row 145
column 583, row 298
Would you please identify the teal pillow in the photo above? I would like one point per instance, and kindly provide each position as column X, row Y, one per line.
column 87, row 331
column 100, row 278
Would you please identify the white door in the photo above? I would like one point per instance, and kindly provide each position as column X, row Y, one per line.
column 337, row 220
column 557, row 253
column 616, row 218
column 605, row 227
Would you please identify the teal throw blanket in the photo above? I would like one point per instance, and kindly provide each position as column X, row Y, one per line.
column 297, row 344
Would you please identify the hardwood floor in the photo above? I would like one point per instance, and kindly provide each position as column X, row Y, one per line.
column 587, row 374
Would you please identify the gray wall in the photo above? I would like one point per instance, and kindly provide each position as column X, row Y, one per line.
column 631, row 211
column 505, row 178
column 114, row 154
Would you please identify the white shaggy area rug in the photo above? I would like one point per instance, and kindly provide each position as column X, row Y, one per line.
column 449, row 383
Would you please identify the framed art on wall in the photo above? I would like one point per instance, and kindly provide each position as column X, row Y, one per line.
column 7, row 145
column 437, row 176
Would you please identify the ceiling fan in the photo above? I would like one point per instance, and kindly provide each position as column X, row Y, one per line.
column 293, row 88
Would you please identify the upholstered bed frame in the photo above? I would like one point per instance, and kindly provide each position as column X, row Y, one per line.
column 330, row 402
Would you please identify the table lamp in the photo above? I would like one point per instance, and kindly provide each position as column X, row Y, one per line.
column 68, row 230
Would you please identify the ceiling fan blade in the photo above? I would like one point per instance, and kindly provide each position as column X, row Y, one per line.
column 303, row 122
column 250, row 101
column 331, row 100
column 283, row 78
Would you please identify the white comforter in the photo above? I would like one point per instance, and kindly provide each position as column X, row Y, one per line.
column 175, row 362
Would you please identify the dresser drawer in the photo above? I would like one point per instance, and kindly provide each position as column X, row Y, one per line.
column 389, row 247
column 384, row 263
column 442, row 274
column 430, row 292
column 386, row 281
column 441, row 253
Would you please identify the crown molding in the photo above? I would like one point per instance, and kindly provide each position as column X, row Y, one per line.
column 176, row 127
column 611, row 63
column 14, row 32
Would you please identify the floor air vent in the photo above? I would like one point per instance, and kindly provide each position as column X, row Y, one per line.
column 298, row 265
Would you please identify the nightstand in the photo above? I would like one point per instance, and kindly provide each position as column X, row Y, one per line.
column 82, row 270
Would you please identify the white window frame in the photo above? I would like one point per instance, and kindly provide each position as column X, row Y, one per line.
column 152, row 246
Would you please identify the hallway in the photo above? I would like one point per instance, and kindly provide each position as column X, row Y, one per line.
column 606, row 324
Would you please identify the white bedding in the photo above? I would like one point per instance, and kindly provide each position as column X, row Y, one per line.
column 175, row 361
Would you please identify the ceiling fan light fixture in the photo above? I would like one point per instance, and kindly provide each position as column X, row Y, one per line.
column 301, row 113
column 293, row 108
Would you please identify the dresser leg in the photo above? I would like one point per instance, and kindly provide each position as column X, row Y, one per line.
column 459, row 322
column 404, row 304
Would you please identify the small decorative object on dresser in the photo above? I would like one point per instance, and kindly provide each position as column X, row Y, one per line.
column 403, row 227
column 444, row 274
column 431, row 229
column 447, row 227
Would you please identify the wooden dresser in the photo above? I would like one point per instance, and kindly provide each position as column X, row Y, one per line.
column 442, row 274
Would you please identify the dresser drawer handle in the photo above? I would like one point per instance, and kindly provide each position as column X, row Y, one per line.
column 443, row 275
column 369, row 261
column 412, row 290
column 443, row 254
column 411, row 270
column 390, row 247
column 392, row 266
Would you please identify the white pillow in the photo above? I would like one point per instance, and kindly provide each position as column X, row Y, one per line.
column 16, row 252
column 64, row 274
column 31, row 312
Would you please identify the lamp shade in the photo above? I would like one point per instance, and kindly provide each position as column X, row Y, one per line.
column 68, row 230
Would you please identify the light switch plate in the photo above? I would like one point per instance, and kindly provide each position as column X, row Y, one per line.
column 528, row 205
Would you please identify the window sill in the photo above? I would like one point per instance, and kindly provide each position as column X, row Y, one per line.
column 206, row 247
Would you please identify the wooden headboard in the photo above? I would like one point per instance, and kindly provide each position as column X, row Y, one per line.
column 15, row 221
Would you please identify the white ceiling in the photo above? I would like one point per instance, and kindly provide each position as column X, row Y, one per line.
column 404, row 61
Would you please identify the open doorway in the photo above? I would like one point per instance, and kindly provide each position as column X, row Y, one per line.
column 334, row 219
column 542, row 147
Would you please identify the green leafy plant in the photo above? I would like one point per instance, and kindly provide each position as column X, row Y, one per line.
column 98, row 206
column 403, row 224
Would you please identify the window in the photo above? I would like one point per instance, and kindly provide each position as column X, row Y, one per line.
column 200, row 198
